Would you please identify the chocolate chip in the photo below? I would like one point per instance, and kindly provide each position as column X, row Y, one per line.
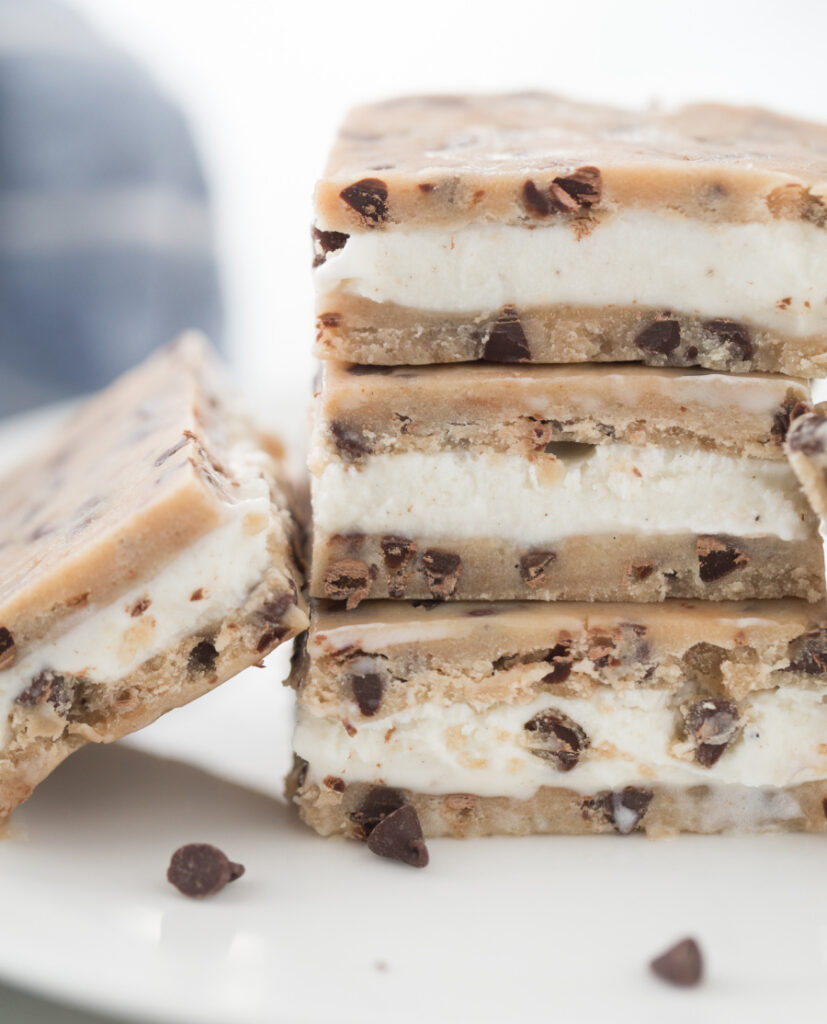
column 369, row 197
column 713, row 724
column 200, row 869
column 197, row 595
column 640, row 571
column 661, row 337
column 580, row 189
column 349, row 580
column 506, row 341
column 139, row 607
column 623, row 810
column 442, row 571
column 202, row 657
column 397, row 552
column 325, row 242
column 808, row 652
column 426, row 186
column 717, row 558
column 47, row 687
column 8, row 648
column 809, row 436
column 335, row 783
column 537, row 202
column 274, row 611
column 561, row 660
column 533, row 567
column 367, row 691
column 399, row 837
column 557, row 738
column 330, row 319
column 349, row 442
column 681, row 965
column 735, row 336
column 378, row 804
column 171, row 451
column 269, row 639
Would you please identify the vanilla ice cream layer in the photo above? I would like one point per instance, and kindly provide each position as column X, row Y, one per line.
column 772, row 274
column 632, row 741
column 106, row 643
column 609, row 488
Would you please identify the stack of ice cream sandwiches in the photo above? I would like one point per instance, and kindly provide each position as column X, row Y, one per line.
column 564, row 577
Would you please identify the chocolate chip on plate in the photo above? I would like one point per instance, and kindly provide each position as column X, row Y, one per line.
column 201, row 869
column 682, row 964
column 398, row 836
column 377, row 805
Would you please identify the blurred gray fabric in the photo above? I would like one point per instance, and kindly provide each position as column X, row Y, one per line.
column 105, row 242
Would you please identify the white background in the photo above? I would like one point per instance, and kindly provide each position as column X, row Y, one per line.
column 265, row 83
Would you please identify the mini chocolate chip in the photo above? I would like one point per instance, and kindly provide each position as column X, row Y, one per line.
column 274, row 611
column 139, row 607
column 717, row 558
column 399, row 837
column 335, row 783
column 175, row 448
column 734, row 335
column 561, row 740
column 269, row 639
column 561, row 660
column 537, row 201
column 8, row 648
column 623, row 810
column 367, row 691
column 326, row 242
column 506, row 341
column 580, row 189
column 197, row 595
column 809, row 436
column 661, row 337
column 808, row 652
column 713, row 724
column 533, row 567
column 640, row 571
column 369, row 197
column 200, row 869
column 681, row 965
column 47, row 687
column 426, row 186
column 349, row 580
column 378, row 804
column 442, row 571
column 349, row 442
column 203, row 657
column 397, row 552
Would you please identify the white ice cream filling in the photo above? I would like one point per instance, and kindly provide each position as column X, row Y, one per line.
column 614, row 488
column 772, row 274
column 631, row 741
column 105, row 643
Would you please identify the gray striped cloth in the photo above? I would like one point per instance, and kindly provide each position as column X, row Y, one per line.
column 105, row 242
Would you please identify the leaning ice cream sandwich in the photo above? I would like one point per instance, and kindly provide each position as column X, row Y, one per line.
column 146, row 555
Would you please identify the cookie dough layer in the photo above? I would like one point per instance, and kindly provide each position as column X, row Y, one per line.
column 388, row 658
column 627, row 566
column 365, row 411
column 656, row 810
column 450, row 161
column 359, row 330
column 807, row 453
column 146, row 556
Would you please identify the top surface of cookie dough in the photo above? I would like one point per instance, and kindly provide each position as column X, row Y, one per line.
column 132, row 480
column 523, row 158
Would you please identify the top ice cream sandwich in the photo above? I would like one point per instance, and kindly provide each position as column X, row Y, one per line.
column 145, row 556
column 528, row 228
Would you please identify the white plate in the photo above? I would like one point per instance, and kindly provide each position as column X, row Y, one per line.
column 539, row 929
